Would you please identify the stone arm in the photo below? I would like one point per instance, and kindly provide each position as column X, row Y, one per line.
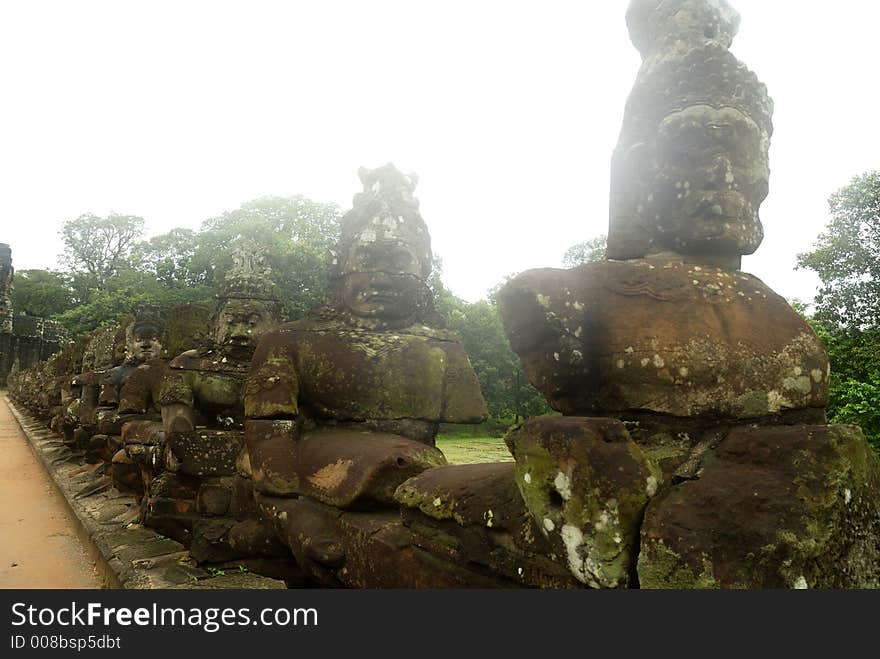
column 271, row 409
column 176, row 400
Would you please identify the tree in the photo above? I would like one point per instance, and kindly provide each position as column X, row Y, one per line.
column 41, row 293
column 846, row 255
column 169, row 256
column 508, row 394
column 95, row 248
column 587, row 252
column 296, row 234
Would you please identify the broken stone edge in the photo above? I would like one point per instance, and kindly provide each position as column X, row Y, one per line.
column 127, row 555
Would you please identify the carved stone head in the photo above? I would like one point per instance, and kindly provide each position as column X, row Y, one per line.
column 143, row 337
column 248, row 305
column 691, row 166
column 383, row 257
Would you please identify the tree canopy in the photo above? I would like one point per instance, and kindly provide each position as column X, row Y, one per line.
column 846, row 255
column 586, row 252
column 96, row 248
column 847, row 318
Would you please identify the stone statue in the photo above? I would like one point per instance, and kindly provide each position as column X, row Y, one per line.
column 203, row 497
column 344, row 405
column 205, row 385
column 716, row 380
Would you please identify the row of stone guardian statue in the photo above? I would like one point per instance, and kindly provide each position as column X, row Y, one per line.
column 691, row 449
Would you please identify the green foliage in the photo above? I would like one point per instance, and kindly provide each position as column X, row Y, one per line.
column 96, row 248
column 506, row 389
column 41, row 293
column 110, row 275
column 847, row 259
column 854, row 388
column 124, row 294
column 847, row 255
column 295, row 234
column 588, row 252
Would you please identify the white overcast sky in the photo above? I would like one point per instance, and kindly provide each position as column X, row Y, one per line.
column 507, row 110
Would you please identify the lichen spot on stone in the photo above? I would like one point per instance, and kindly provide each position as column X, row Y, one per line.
column 556, row 356
column 489, row 517
column 563, row 485
column 527, row 478
column 847, row 495
column 800, row 583
column 658, row 361
column 620, row 363
column 548, row 524
column 651, row 486
column 543, row 300
column 578, row 306
column 683, row 372
column 437, row 502
column 645, row 362
column 775, row 401
column 816, row 374
column 629, row 350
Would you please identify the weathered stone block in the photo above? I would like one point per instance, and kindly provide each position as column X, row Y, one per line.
column 586, row 484
column 773, row 507
column 213, row 499
column 206, row 452
column 474, row 515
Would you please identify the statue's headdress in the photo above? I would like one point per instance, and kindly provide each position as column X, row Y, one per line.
column 148, row 319
column 385, row 212
column 250, row 277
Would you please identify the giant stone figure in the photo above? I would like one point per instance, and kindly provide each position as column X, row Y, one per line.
column 344, row 405
column 720, row 383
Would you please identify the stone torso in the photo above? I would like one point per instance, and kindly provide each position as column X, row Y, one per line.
column 663, row 335
column 325, row 372
column 210, row 382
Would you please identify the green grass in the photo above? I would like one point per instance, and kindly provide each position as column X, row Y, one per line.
column 469, row 450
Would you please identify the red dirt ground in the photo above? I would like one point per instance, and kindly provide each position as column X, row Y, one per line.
column 39, row 547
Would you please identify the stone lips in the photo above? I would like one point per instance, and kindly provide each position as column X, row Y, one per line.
column 662, row 336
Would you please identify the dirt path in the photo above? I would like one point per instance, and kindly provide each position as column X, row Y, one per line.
column 39, row 547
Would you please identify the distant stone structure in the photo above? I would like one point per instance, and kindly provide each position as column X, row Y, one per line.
column 714, row 383
column 24, row 340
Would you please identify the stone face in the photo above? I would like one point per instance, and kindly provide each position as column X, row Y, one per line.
column 664, row 336
column 776, row 507
column 691, row 165
column 586, row 484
